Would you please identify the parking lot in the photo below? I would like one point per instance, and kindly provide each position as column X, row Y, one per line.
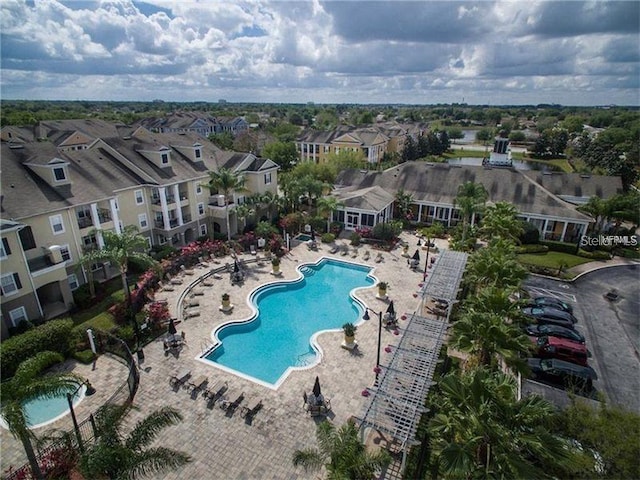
column 611, row 328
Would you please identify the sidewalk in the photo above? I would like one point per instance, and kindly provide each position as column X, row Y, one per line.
column 583, row 268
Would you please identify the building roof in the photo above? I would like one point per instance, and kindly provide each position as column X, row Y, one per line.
column 576, row 187
column 246, row 162
column 373, row 198
column 438, row 184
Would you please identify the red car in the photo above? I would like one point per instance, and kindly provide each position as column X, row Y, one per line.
column 562, row 349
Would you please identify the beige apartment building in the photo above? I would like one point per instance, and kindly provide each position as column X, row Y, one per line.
column 65, row 182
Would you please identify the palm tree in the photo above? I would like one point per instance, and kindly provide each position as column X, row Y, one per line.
column 271, row 201
column 482, row 431
column 599, row 209
column 404, row 201
column 470, row 199
column 120, row 249
column 117, row 456
column 341, row 453
column 28, row 384
column 243, row 211
column 495, row 265
column 225, row 181
column 326, row 206
column 501, row 221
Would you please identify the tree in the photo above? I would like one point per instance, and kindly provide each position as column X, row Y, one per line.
column 326, row 206
column 599, row 210
column 470, row 199
column 342, row 454
column 495, row 265
column 482, row 431
column 222, row 140
column 282, row 153
column 28, row 384
column 484, row 135
column 455, row 133
column 117, row 456
column 120, row 249
column 404, row 201
column 271, row 201
column 225, row 181
column 243, row 211
column 501, row 221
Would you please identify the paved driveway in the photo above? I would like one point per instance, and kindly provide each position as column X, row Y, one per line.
column 612, row 329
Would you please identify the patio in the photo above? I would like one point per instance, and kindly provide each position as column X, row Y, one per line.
column 224, row 446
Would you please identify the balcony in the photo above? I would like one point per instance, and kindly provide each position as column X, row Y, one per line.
column 186, row 218
column 173, row 223
column 85, row 222
column 104, row 215
column 40, row 263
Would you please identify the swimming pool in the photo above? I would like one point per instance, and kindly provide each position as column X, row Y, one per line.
column 303, row 237
column 280, row 335
column 43, row 411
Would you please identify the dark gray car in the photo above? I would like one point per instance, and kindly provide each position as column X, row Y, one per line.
column 550, row 315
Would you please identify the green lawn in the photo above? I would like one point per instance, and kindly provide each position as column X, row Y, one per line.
column 551, row 259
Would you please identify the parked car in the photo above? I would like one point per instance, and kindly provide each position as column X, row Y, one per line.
column 560, row 348
column 562, row 373
column 550, row 315
column 542, row 329
column 551, row 302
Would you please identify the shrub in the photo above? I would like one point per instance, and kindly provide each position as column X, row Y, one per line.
column 336, row 228
column 355, row 239
column 53, row 336
column 387, row 231
column 82, row 296
column 22, row 327
column 594, row 255
column 125, row 332
column 327, row 237
column 532, row 248
column 530, row 233
column 628, row 253
column 84, row 356
column 436, row 230
column 265, row 230
column 563, row 247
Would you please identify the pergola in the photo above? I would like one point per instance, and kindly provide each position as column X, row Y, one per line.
column 397, row 399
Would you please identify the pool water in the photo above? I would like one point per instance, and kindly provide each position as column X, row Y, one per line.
column 289, row 314
column 43, row 411
column 303, row 237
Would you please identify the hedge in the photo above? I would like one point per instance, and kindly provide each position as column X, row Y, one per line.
column 532, row 248
column 594, row 255
column 328, row 237
column 563, row 247
column 53, row 336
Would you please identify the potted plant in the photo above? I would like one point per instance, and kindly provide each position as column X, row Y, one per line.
column 382, row 289
column 226, row 303
column 349, row 330
column 275, row 265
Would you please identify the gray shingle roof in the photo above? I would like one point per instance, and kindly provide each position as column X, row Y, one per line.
column 577, row 184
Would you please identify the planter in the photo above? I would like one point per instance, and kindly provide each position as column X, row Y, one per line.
column 226, row 304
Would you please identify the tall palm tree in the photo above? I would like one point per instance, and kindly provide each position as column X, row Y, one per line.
column 225, row 181
column 120, row 249
column 482, row 431
column 404, row 201
column 599, row 209
column 495, row 265
column 341, row 453
column 326, row 206
column 243, row 211
column 271, row 201
column 117, row 456
column 501, row 221
column 28, row 384
column 470, row 199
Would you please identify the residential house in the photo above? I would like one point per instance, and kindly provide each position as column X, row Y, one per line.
column 200, row 123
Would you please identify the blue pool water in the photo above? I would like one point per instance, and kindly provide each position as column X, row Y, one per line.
column 289, row 314
column 303, row 237
column 41, row 412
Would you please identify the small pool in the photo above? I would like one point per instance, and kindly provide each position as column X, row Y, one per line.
column 280, row 336
column 302, row 237
column 44, row 411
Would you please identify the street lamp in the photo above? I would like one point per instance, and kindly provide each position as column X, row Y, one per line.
column 426, row 260
column 367, row 317
column 90, row 391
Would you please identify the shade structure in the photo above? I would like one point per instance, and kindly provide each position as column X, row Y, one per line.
column 391, row 309
column 316, row 388
column 416, row 256
column 172, row 328
column 236, row 267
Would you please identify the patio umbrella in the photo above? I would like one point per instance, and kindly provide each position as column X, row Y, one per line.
column 316, row 388
column 313, row 236
column 172, row 328
column 416, row 256
column 391, row 309
column 236, row 267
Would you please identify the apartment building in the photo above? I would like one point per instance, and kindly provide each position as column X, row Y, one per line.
column 65, row 182
column 200, row 123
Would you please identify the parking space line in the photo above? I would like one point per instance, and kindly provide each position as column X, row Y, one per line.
column 544, row 292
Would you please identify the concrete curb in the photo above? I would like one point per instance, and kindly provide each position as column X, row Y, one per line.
column 600, row 267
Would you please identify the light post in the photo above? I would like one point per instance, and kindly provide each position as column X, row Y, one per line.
column 90, row 391
column 367, row 317
column 426, row 260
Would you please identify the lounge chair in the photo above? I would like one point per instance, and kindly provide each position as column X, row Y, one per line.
column 213, row 395
column 334, row 249
column 366, row 255
column 378, row 258
column 230, row 408
column 354, row 254
column 249, row 413
column 185, row 270
column 252, row 249
column 198, row 384
column 177, row 379
column 344, row 250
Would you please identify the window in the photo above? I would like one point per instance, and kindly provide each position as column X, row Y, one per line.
column 198, row 153
column 201, row 209
column 59, row 174
column 203, row 230
column 26, row 238
column 56, row 224
column 139, row 197
column 10, row 283
column 4, row 249
column 116, row 205
column 267, row 178
column 142, row 220
column 73, row 281
column 90, row 241
column 66, row 254
column 18, row 315
column 165, row 158
column 198, row 189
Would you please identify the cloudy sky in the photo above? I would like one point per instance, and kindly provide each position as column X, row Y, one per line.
column 422, row 52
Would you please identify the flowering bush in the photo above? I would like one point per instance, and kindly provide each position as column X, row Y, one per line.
column 158, row 312
column 364, row 232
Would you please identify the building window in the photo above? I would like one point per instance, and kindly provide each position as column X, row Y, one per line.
column 18, row 315
column 165, row 158
column 27, row 239
column 5, row 251
column 90, row 242
column 203, row 230
column 142, row 220
column 162, row 239
column 201, row 209
column 73, row 281
column 267, row 178
column 10, row 283
column 59, row 174
column 116, row 205
column 198, row 189
column 139, row 197
column 65, row 252
column 56, row 224
column 198, row 153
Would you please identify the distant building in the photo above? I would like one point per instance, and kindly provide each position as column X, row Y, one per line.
column 200, row 123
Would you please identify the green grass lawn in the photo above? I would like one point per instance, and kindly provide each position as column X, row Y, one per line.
column 551, row 259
